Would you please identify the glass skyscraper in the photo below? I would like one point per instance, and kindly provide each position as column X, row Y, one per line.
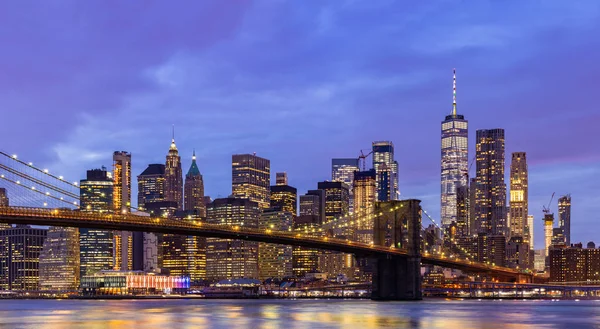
column 454, row 161
column 386, row 169
column 564, row 217
column 519, row 196
column 151, row 185
column 251, row 178
column 342, row 170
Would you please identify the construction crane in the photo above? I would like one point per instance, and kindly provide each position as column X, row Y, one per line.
column 363, row 157
column 546, row 210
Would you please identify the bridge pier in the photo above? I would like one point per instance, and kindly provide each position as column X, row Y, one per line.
column 397, row 277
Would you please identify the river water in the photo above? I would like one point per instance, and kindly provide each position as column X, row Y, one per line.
column 271, row 314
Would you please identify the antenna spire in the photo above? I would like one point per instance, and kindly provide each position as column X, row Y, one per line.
column 173, row 133
column 454, row 93
column 194, row 155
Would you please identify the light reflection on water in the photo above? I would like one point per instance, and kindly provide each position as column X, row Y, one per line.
column 290, row 314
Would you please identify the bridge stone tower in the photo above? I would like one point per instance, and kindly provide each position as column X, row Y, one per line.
column 395, row 277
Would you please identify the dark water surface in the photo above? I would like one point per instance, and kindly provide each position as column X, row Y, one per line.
column 267, row 314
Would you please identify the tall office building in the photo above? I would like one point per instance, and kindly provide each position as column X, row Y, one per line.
column 123, row 240
column 490, row 188
column 455, row 160
column 281, row 178
column 564, row 217
column 226, row 258
column 251, row 176
column 275, row 260
column 3, row 203
column 59, row 260
column 548, row 226
column 342, row 170
column 305, row 260
column 364, row 203
column 20, row 249
column 386, row 169
column 519, row 196
column 194, row 190
column 151, row 185
column 313, row 204
column 122, row 181
column 284, row 197
column 174, row 176
column 463, row 211
column 96, row 246
column 336, row 199
column 184, row 256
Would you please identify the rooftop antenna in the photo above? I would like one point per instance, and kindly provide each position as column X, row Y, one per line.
column 454, row 92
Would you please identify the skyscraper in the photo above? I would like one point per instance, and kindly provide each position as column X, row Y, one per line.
column 251, row 176
column 530, row 228
column 226, row 258
column 336, row 199
column 284, row 197
column 174, row 176
column 490, row 189
column 59, row 260
column 455, row 160
column 364, row 203
column 20, row 249
column 194, row 190
column 275, row 260
column 3, row 197
column 151, row 185
column 519, row 196
column 313, row 204
column 123, row 240
column 305, row 260
column 383, row 162
column 564, row 217
column 122, row 181
column 548, row 225
column 463, row 211
column 96, row 246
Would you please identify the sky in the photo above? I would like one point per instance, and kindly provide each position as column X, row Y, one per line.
column 300, row 83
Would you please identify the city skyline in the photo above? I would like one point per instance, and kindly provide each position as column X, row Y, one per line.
column 499, row 80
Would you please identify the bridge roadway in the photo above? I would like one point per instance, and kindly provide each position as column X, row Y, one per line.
column 131, row 222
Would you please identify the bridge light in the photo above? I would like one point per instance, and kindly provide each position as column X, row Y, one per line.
column 46, row 171
column 18, row 182
column 31, row 164
column 33, row 188
column 14, row 156
column 60, row 177
column 75, row 183
column 45, row 204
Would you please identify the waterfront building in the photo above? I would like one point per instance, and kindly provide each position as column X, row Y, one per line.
column 574, row 264
column 96, row 246
column 174, row 176
column 539, row 260
column 564, row 217
column 364, row 202
column 20, row 249
column 132, row 283
column 383, row 162
column 194, row 190
column 151, row 185
column 251, row 176
column 490, row 189
column 284, row 197
column 227, row 258
column 519, row 196
column 454, row 160
column 59, row 260
column 184, row 256
column 342, row 170
column 275, row 260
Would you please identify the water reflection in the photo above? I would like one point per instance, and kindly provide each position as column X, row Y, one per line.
column 289, row 314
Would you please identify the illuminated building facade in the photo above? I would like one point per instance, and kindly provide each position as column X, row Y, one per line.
column 490, row 188
column 123, row 244
column 20, row 249
column 226, row 258
column 383, row 161
column 59, row 260
column 184, row 256
column 342, row 170
column 194, row 190
column 337, row 195
column 564, row 217
column 125, row 283
column 519, row 206
column 574, row 264
column 151, row 185
column 275, row 260
column 3, row 203
column 251, row 176
column 313, row 204
column 96, row 246
column 548, row 225
column 284, row 197
column 174, row 176
column 463, row 211
column 530, row 229
column 305, row 260
column 281, row 178
column 364, row 203
column 454, row 160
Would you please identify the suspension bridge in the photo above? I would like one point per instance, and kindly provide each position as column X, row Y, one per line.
column 38, row 197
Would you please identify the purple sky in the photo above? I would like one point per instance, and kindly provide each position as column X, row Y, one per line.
column 302, row 83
